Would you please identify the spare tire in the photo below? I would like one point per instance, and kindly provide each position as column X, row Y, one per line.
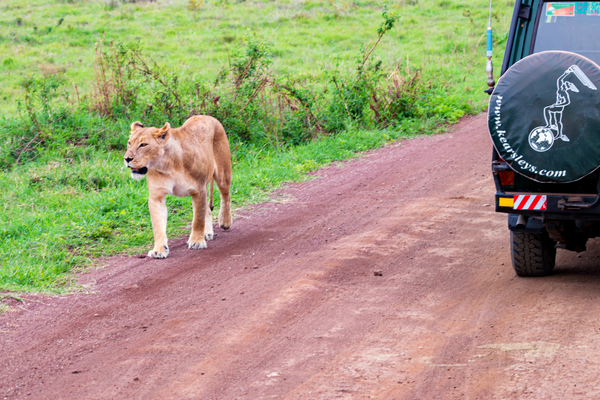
column 544, row 116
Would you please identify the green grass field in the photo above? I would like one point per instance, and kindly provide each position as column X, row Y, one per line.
column 74, row 203
column 443, row 38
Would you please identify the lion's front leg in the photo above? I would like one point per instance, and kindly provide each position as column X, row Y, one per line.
column 158, row 215
column 197, row 239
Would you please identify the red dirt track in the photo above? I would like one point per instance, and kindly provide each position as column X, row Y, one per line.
column 286, row 304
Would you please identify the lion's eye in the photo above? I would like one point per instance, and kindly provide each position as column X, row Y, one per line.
column 143, row 144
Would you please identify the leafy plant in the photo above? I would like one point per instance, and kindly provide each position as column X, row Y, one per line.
column 352, row 93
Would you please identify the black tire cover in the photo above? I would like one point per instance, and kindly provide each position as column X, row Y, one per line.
column 544, row 116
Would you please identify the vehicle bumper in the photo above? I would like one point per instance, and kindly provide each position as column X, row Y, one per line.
column 551, row 206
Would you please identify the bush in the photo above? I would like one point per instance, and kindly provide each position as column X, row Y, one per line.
column 253, row 105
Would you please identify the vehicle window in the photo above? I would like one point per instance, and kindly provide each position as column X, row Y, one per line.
column 573, row 26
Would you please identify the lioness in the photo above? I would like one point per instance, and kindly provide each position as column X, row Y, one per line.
column 182, row 162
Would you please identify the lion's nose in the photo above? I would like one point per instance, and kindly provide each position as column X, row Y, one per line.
column 127, row 159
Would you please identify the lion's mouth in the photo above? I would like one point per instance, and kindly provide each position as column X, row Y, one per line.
column 141, row 171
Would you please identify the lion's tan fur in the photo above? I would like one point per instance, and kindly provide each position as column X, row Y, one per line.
column 182, row 162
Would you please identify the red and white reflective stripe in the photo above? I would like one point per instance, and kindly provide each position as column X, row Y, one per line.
column 529, row 202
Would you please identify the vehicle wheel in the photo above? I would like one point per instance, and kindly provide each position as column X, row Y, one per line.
column 533, row 254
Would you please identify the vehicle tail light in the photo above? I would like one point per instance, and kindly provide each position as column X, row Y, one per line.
column 507, row 178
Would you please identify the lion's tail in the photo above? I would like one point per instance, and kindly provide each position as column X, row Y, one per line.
column 211, row 189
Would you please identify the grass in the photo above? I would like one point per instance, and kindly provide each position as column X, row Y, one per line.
column 443, row 37
column 76, row 203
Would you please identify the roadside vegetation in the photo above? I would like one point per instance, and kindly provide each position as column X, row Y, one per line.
column 297, row 85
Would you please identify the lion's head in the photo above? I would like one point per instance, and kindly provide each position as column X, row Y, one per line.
column 145, row 148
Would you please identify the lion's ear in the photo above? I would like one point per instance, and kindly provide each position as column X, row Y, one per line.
column 163, row 133
column 135, row 125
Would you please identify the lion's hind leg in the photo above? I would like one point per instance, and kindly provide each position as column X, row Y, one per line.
column 225, row 208
column 197, row 237
column 222, row 175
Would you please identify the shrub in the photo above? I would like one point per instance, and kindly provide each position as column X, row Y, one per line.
column 254, row 105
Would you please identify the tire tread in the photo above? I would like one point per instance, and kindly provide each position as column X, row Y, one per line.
column 532, row 254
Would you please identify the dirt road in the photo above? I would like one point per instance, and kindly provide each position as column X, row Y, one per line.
column 286, row 305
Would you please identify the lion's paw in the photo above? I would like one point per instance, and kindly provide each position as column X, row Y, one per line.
column 225, row 224
column 225, row 220
column 209, row 236
column 197, row 245
column 159, row 253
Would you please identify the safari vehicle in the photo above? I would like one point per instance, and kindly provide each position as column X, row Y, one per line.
column 544, row 121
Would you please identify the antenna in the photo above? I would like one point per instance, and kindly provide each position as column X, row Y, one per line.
column 489, row 68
